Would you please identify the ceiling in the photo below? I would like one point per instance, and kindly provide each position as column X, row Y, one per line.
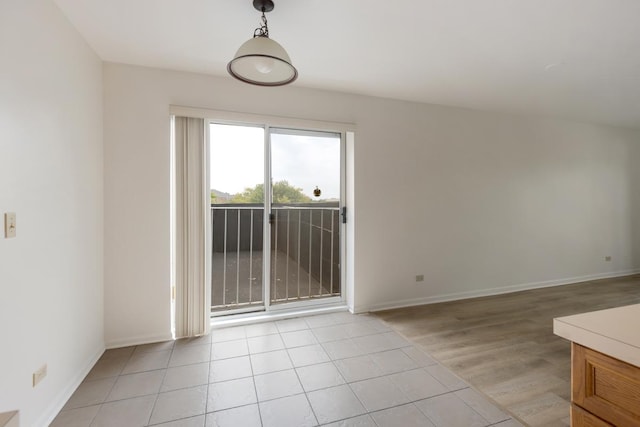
column 577, row 59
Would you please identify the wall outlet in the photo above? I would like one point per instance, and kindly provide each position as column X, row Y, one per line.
column 607, row 258
column 39, row 374
column 420, row 278
column 9, row 225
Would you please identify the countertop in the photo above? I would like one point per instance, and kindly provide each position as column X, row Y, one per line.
column 614, row 332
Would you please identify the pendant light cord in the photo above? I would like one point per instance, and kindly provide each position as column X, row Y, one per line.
column 263, row 30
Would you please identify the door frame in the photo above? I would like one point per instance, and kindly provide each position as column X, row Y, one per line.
column 311, row 303
column 347, row 137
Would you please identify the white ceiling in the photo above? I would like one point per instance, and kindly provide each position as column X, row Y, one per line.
column 578, row 59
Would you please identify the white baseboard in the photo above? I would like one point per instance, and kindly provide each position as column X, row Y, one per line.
column 144, row 339
column 491, row 291
column 56, row 406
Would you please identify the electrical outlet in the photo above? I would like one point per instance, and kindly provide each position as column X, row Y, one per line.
column 9, row 225
column 39, row 374
column 420, row 278
column 607, row 258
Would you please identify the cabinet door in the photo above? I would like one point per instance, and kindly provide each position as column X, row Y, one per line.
column 606, row 387
column 581, row 418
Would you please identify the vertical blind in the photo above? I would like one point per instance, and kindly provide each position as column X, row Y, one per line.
column 192, row 294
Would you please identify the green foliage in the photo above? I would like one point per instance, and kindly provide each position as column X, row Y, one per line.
column 213, row 197
column 283, row 192
column 250, row 195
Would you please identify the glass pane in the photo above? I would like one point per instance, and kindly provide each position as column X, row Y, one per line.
column 237, row 211
column 236, row 164
column 306, row 199
column 304, row 163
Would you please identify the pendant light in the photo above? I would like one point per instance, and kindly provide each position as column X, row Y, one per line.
column 260, row 60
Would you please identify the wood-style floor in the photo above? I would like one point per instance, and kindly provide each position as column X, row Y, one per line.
column 504, row 345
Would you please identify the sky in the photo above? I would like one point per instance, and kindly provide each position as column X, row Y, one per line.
column 305, row 161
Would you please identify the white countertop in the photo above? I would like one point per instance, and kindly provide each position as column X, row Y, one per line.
column 614, row 332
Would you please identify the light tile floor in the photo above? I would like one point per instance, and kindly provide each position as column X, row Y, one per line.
column 334, row 369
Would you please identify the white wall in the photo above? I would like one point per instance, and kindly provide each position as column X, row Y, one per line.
column 51, row 274
column 485, row 203
column 477, row 202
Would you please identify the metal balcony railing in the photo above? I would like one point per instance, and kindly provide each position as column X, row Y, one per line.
column 305, row 254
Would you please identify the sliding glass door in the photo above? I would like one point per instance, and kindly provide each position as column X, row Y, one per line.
column 301, row 203
column 305, row 215
column 236, row 175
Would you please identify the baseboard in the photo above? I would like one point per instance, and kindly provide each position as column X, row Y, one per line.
column 144, row 339
column 491, row 291
column 56, row 406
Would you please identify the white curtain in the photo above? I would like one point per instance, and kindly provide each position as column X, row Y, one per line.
column 191, row 204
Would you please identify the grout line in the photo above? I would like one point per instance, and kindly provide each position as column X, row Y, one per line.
column 253, row 379
column 332, row 361
column 178, row 419
column 442, row 365
column 153, row 408
column 206, row 400
column 306, row 395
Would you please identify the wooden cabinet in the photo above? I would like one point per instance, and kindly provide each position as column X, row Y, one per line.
column 604, row 390
column 580, row 417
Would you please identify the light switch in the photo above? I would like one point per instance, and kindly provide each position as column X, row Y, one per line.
column 9, row 225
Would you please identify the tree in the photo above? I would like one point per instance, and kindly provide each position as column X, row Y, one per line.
column 283, row 192
column 213, row 197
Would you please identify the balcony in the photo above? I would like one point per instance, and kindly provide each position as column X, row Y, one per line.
column 304, row 254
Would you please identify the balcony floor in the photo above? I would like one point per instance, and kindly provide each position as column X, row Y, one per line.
column 292, row 281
